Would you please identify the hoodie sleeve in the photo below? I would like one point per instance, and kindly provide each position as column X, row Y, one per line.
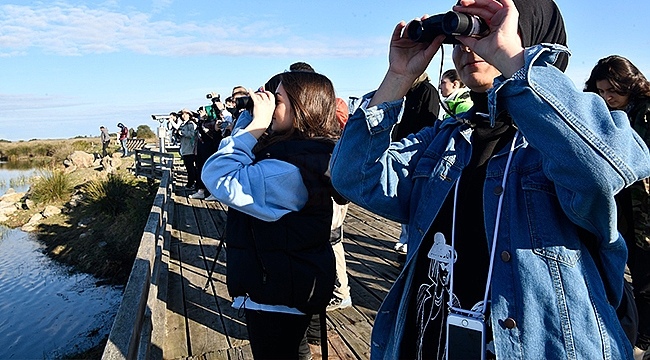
column 267, row 189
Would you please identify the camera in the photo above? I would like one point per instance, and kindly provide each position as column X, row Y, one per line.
column 213, row 95
column 450, row 24
column 244, row 103
column 160, row 118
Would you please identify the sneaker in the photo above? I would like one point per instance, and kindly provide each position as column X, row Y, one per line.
column 338, row 303
column 198, row 195
column 400, row 248
column 211, row 198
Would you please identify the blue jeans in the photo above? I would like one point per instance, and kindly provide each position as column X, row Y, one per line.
column 124, row 149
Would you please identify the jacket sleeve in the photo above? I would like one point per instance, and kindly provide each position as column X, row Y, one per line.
column 368, row 169
column 588, row 152
column 267, row 189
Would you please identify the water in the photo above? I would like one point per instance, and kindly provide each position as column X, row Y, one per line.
column 9, row 175
column 47, row 312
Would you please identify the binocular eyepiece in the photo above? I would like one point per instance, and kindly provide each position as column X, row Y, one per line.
column 450, row 24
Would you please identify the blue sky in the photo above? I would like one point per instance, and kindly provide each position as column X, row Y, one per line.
column 67, row 67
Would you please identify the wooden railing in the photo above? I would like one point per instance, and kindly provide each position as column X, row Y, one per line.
column 138, row 329
column 151, row 163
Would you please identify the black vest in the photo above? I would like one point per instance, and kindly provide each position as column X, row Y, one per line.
column 289, row 261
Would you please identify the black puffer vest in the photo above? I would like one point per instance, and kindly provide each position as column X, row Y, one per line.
column 289, row 261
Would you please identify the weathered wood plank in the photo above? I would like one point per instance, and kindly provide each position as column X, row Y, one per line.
column 212, row 222
column 206, row 330
column 175, row 344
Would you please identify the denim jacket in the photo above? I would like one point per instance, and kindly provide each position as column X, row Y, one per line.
column 548, row 298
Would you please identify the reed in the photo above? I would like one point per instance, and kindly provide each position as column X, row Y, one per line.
column 52, row 185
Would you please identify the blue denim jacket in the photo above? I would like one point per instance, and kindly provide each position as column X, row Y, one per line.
column 571, row 159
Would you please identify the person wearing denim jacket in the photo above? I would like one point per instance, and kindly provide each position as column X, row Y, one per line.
column 552, row 295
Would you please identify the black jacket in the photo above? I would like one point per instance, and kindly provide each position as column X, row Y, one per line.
column 289, row 261
column 421, row 109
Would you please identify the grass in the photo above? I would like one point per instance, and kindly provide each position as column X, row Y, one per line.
column 111, row 196
column 20, row 181
column 101, row 235
column 51, row 186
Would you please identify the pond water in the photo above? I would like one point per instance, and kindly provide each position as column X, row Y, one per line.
column 16, row 179
column 46, row 311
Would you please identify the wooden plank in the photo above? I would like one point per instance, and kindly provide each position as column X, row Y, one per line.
column 336, row 348
column 206, row 331
column 370, row 270
column 175, row 344
column 212, row 223
column 350, row 325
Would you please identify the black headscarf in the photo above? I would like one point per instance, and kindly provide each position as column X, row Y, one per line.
column 540, row 21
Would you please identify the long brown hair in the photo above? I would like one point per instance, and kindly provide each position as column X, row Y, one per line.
column 626, row 79
column 313, row 102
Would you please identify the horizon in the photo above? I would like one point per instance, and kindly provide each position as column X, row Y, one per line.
column 69, row 67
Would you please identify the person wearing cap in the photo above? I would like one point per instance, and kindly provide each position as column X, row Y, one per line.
column 511, row 207
column 124, row 135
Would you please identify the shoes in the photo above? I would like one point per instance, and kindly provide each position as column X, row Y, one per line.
column 338, row 303
column 198, row 195
column 640, row 354
column 400, row 248
column 211, row 198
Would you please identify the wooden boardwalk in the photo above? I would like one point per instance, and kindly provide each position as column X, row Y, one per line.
column 200, row 321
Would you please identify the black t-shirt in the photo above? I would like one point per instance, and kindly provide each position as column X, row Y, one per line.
column 471, row 267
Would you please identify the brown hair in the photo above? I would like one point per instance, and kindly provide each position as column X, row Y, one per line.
column 452, row 75
column 626, row 79
column 313, row 103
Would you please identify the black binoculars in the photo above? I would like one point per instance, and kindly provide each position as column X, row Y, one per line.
column 450, row 24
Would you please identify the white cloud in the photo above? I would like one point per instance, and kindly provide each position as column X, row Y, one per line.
column 68, row 30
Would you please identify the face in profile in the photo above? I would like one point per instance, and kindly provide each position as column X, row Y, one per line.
column 475, row 72
column 447, row 86
column 283, row 116
column 613, row 99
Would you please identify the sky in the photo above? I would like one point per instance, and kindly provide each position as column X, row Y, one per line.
column 68, row 67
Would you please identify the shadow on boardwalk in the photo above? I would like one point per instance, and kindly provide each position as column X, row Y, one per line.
column 200, row 321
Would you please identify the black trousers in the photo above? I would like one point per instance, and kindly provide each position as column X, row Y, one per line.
column 638, row 261
column 203, row 152
column 190, row 165
column 275, row 335
column 104, row 148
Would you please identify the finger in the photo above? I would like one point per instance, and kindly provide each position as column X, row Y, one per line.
column 432, row 49
column 397, row 32
column 482, row 8
column 484, row 13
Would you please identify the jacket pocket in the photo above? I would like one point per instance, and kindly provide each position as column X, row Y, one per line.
column 553, row 236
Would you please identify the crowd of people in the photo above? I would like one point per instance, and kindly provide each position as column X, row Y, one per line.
column 523, row 199
column 199, row 133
